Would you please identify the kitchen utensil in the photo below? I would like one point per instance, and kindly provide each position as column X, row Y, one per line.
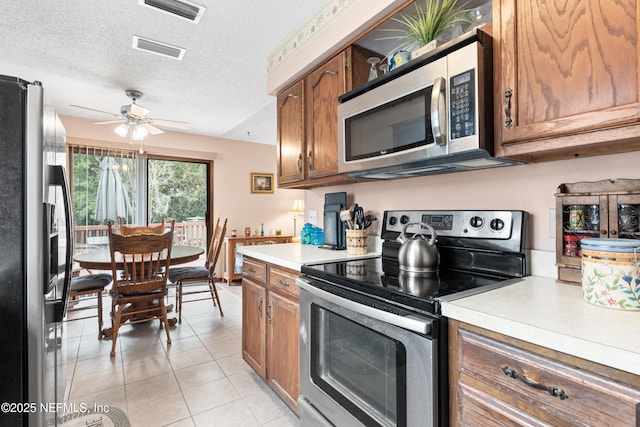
column 359, row 218
column 368, row 220
column 417, row 253
column 345, row 216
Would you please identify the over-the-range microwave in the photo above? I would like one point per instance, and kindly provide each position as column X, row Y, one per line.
column 431, row 115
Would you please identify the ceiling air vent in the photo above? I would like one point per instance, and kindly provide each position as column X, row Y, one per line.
column 181, row 8
column 158, row 48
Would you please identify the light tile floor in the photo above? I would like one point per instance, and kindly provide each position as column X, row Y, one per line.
column 199, row 380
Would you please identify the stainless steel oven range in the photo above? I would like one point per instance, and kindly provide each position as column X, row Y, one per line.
column 373, row 342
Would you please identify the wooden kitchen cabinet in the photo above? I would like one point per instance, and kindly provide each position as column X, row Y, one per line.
column 270, row 317
column 254, row 327
column 291, row 148
column 497, row 380
column 602, row 209
column 308, row 120
column 232, row 260
column 567, row 76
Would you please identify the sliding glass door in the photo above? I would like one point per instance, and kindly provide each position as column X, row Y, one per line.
column 179, row 190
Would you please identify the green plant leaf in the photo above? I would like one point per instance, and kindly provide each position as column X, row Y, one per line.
column 428, row 22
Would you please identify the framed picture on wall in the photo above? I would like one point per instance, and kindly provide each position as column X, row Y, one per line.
column 262, row 183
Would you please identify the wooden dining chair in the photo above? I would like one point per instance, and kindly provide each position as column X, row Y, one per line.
column 193, row 277
column 138, row 296
column 130, row 230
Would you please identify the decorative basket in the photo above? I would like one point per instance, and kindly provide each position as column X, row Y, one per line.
column 356, row 242
column 611, row 273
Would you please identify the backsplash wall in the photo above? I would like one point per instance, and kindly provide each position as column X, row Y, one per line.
column 529, row 187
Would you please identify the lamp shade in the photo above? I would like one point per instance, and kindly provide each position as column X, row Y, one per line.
column 139, row 132
column 297, row 208
column 122, row 129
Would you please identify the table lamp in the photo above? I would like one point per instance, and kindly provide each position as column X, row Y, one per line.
column 297, row 209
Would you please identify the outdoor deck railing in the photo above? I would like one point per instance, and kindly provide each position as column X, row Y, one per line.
column 192, row 233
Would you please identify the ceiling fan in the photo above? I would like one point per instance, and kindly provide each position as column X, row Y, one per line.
column 134, row 120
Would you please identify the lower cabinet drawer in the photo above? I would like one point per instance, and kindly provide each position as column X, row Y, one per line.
column 283, row 281
column 514, row 382
column 255, row 270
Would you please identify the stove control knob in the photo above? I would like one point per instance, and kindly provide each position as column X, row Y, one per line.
column 393, row 220
column 404, row 219
column 497, row 224
column 476, row 222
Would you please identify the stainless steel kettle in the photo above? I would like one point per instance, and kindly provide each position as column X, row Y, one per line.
column 418, row 254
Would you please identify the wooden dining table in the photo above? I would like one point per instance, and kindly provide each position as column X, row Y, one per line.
column 100, row 259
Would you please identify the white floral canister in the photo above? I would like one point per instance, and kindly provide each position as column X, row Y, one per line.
column 611, row 272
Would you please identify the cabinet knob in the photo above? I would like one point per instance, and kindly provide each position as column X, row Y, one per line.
column 613, row 232
column 283, row 283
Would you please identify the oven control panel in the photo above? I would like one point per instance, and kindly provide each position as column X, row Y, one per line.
column 474, row 224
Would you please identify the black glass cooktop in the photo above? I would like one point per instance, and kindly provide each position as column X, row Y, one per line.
column 383, row 280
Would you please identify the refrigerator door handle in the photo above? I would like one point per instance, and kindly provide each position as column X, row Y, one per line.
column 57, row 308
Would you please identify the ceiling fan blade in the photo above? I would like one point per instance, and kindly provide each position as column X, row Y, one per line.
column 152, row 129
column 97, row 111
column 170, row 123
column 108, row 122
column 138, row 111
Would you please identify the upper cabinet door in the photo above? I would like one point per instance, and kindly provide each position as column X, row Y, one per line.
column 564, row 68
column 323, row 87
column 291, row 157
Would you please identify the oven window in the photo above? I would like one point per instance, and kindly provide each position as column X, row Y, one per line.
column 361, row 369
column 399, row 125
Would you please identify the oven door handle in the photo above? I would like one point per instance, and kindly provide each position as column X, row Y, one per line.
column 409, row 322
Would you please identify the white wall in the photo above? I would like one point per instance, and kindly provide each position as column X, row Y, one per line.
column 529, row 187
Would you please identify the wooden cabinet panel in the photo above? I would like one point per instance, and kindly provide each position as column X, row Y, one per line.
column 284, row 282
column 283, row 354
column 292, row 160
column 255, row 270
column 511, row 382
column 570, row 67
column 254, row 304
column 315, row 100
column 270, row 318
column 323, row 87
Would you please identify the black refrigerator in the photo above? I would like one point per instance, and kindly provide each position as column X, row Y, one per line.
column 36, row 247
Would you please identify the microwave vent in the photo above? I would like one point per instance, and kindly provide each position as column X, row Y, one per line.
column 158, row 48
column 180, row 8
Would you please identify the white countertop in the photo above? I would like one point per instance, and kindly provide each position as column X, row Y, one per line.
column 536, row 309
column 551, row 314
column 293, row 255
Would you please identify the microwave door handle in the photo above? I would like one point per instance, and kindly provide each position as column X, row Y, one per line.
column 438, row 111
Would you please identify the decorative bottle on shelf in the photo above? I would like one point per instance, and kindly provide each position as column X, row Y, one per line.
column 262, row 229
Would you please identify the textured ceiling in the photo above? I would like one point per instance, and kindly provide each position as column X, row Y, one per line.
column 81, row 52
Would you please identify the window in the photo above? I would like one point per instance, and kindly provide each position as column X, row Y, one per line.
column 110, row 185
column 104, row 188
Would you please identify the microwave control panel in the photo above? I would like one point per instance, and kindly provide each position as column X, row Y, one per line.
column 462, row 99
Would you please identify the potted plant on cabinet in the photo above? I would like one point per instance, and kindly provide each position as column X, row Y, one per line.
column 420, row 31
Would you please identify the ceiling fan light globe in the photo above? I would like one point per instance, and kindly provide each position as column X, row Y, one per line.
column 139, row 133
column 121, row 130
